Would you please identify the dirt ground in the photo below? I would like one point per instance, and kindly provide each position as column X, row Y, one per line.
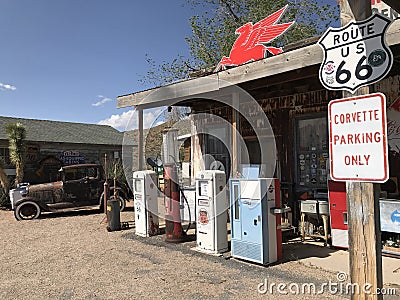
column 72, row 256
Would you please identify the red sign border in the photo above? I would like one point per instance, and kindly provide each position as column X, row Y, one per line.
column 384, row 134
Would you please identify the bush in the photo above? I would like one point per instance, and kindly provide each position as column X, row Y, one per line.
column 4, row 199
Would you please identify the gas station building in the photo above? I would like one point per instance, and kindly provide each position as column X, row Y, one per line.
column 288, row 89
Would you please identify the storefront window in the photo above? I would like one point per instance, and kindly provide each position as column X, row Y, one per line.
column 216, row 154
column 5, row 156
column 312, row 152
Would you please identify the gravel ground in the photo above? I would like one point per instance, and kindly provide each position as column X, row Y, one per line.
column 72, row 256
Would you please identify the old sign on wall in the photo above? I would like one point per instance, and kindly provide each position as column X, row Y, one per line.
column 355, row 55
column 358, row 138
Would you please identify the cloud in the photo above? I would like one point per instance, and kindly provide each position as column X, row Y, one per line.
column 103, row 101
column 128, row 120
column 119, row 122
column 7, row 87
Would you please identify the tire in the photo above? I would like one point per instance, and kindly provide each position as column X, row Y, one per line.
column 28, row 210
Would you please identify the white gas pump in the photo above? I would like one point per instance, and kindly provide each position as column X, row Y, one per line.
column 145, row 203
column 211, row 215
column 256, row 219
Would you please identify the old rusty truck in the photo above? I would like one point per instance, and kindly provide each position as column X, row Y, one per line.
column 79, row 187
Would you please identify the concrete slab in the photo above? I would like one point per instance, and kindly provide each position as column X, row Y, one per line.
column 314, row 254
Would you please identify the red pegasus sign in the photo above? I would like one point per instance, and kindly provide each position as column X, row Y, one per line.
column 252, row 40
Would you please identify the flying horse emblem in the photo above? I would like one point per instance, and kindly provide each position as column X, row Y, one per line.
column 252, row 40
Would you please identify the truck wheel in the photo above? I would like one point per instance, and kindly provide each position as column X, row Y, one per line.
column 28, row 210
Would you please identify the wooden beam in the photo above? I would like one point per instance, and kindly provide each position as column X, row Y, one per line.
column 365, row 255
column 364, row 237
column 291, row 61
column 354, row 10
column 140, row 141
column 196, row 153
column 236, row 151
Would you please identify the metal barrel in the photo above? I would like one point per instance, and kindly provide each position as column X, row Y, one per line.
column 113, row 215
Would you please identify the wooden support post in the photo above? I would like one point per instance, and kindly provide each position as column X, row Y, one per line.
column 140, row 140
column 354, row 10
column 235, row 129
column 365, row 255
column 395, row 4
column 196, row 153
column 364, row 238
column 106, row 191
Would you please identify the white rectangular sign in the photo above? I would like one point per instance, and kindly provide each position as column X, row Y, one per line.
column 358, row 139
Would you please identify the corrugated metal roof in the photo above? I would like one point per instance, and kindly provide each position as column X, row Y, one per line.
column 64, row 132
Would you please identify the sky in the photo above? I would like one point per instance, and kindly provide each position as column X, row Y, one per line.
column 68, row 60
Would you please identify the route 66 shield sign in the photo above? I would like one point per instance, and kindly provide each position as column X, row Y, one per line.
column 355, row 55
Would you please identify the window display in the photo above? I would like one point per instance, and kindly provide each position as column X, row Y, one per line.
column 312, row 152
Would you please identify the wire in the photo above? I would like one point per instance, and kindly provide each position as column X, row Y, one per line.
column 187, row 203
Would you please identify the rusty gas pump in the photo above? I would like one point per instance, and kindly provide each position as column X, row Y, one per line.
column 173, row 225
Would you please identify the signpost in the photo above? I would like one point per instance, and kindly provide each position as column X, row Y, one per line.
column 358, row 139
column 367, row 62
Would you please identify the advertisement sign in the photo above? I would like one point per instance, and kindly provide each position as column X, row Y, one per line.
column 358, row 139
column 393, row 127
column 252, row 40
column 390, row 215
column 355, row 55
column 71, row 157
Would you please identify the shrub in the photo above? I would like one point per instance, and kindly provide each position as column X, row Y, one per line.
column 4, row 199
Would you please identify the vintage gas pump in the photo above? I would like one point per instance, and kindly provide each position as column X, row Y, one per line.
column 256, row 219
column 146, row 202
column 173, row 225
column 211, row 211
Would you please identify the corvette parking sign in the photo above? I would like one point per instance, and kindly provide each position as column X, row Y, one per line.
column 355, row 55
column 358, row 148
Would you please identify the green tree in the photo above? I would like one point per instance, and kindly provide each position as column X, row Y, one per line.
column 213, row 32
column 115, row 169
column 16, row 137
